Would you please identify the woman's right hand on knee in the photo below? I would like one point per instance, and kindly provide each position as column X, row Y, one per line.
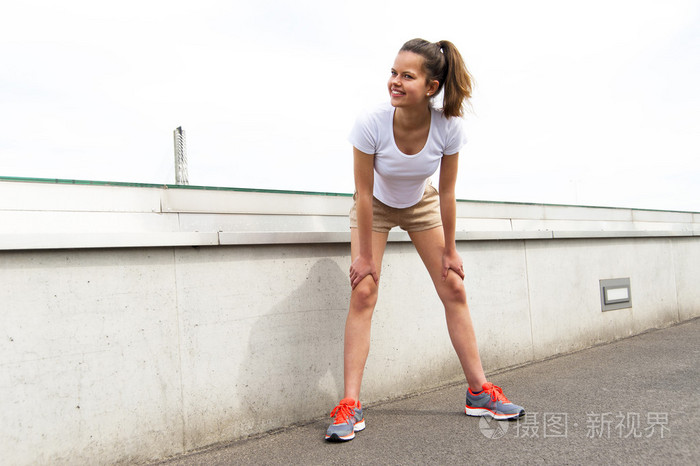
column 360, row 268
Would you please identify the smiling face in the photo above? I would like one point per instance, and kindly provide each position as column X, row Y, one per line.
column 408, row 85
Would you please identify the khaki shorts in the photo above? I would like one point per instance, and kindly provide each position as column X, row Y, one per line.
column 422, row 216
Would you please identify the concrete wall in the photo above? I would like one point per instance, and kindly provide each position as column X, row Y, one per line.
column 143, row 322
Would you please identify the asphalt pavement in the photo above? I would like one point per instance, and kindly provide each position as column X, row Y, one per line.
column 634, row 401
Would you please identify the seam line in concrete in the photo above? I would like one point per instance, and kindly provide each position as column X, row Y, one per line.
column 675, row 279
column 529, row 304
column 179, row 355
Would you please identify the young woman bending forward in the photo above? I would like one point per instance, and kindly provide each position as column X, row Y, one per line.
column 397, row 148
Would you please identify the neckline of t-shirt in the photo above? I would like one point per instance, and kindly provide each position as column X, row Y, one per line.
column 393, row 138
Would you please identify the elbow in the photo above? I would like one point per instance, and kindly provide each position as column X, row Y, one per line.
column 447, row 197
column 364, row 194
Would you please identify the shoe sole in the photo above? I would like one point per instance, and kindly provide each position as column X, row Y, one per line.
column 337, row 438
column 480, row 412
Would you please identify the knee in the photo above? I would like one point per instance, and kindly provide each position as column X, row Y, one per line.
column 453, row 290
column 364, row 295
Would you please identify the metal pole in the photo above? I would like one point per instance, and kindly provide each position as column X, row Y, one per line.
column 180, row 156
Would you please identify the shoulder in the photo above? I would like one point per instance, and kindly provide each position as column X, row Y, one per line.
column 369, row 132
column 448, row 124
column 450, row 133
column 375, row 114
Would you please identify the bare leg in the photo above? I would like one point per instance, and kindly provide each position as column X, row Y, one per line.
column 358, row 324
column 430, row 245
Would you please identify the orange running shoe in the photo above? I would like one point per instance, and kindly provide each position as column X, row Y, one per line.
column 348, row 420
column 491, row 402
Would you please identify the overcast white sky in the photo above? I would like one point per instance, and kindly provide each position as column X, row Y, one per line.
column 577, row 102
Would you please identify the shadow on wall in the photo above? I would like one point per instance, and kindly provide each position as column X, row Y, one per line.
column 295, row 352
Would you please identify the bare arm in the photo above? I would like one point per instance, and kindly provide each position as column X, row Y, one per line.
column 448, row 212
column 363, row 264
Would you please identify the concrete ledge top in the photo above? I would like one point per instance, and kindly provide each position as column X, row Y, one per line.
column 43, row 215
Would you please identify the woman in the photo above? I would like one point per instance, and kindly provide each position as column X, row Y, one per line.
column 397, row 148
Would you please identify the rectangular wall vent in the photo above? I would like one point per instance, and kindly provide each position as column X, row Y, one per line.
column 615, row 294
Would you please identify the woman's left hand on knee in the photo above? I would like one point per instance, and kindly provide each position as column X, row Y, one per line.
column 452, row 261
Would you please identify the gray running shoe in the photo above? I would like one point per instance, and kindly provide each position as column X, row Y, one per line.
column 491, row 402
column 348, row 420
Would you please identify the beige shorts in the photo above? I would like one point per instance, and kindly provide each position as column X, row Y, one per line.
column 422, row 216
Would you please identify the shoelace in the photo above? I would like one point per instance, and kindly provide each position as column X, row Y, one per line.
column 342, row 412
column 496, row 393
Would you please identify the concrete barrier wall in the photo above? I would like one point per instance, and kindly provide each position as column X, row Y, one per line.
column 143, row 322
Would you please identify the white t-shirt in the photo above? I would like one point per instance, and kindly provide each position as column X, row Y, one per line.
column 399, row 179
